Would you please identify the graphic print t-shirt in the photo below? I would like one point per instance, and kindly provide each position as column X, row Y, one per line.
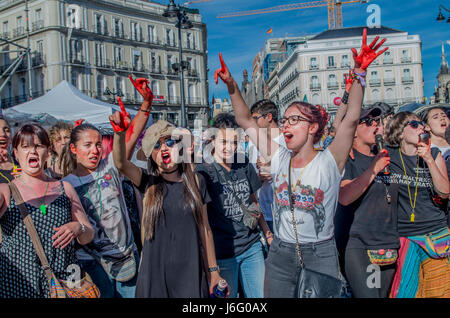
column 316, row 197
column 428, row 217
column 112, row 230
column 231, row 236
column 375, row 220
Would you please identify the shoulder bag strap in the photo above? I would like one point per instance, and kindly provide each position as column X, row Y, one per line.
column 223, row 179
column 28, row 221
column 291, row 205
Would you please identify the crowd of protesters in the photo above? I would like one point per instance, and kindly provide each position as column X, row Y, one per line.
column 362, row 201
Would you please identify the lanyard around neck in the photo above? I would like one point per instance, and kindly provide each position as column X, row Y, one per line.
column 413, row 205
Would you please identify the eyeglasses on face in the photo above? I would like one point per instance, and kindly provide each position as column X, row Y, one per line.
column 369, row 121
column 294, row 119
column 169, row 143
column 415, row 123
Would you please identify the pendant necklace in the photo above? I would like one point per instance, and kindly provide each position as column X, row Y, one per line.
column 42, row 207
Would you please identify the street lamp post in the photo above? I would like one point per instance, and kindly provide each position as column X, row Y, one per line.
column 175, row 15
column 113, row 93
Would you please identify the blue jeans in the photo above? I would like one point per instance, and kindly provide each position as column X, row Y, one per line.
column 283, row 265
column 108, row 287
column 247, row 268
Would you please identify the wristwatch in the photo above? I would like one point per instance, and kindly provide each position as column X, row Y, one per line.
column 213, row 269
column 83, row 228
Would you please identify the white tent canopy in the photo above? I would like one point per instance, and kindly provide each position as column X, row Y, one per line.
column 66, row 102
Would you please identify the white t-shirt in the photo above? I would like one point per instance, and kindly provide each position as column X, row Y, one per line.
column 112, row 228
column 316, row 198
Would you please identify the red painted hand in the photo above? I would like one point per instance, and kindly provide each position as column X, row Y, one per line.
column 348, row 81
column 79, row 122
column 222, row 72
column 368, row 54
column 141, row 84
column 120, row 120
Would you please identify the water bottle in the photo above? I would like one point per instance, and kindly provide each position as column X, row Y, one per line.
column 220, row 290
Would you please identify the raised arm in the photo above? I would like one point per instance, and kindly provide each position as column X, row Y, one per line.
column 140, row 120
column 121, row 122
column 342, row 110
column 242, row 112
column 438, row 169
column 341, row 145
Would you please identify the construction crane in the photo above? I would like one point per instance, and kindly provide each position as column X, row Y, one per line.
column 334, row 10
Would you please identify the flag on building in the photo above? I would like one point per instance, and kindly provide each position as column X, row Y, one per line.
column 269, row 31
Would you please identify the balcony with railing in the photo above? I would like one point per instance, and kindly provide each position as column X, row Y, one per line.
column 314, row 67
column 192, row 73
column 333, row 85
column 388, row 60
column 77, row 59
column 103, row 62
column 5, row 35
column 37, row 59
column 120, row 34
column 37, row 25
column 138, row 67
column 155, row 70
column 121, row 65
column 99, row 29
column 315, row 86
column 389, row 81
column 375, row 82
column 154, row 41
column 345, row 64
column 170, row 43
column 331, row 66
column 406, row 59
column 195, row 101
column 18, row 31
column 173, row 100
column 407, row 79
column 171, row 71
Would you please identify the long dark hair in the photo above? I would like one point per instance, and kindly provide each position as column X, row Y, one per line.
column 153, row 199
column 68, row 160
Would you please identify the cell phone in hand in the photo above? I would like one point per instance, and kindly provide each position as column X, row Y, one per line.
column 425, row 138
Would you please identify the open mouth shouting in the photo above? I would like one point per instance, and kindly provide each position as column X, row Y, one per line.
column 3, row 143
column 287, row 136
column 33, row 162
column 166, row 159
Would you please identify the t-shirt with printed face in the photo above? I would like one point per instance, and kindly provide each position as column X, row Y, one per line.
column 112, row 229
column 428, row 216
column 316, row 197
column 375, row 219
column 231, row 236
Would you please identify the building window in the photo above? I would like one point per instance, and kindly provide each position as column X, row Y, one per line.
column 118, row 28
column 331, row 61
column 100, row 89
column 151, row 34
column 100, row 24
column 135, row 31
column 172, row 118
column 189, row 41
column 374, row 74
column 314, row 62
column 74, row 79
column 345, row 61
column 171, row 92
column 156, row 116
column 23, row 87
column 170, row 37
column 137, row 64
column 73, row 16
column 314, row 81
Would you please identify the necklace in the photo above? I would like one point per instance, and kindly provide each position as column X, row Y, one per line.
column 413, row 206
column 42, row 207
column 99, row 192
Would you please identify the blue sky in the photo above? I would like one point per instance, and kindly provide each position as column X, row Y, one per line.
column 240, row 38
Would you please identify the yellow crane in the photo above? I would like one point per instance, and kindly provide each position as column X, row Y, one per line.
column 334, row 10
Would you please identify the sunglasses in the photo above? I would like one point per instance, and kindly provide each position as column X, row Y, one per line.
column 169, row 143
column 258, row 117
column 415, row 124
column 369, row 121
column 292, row 120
